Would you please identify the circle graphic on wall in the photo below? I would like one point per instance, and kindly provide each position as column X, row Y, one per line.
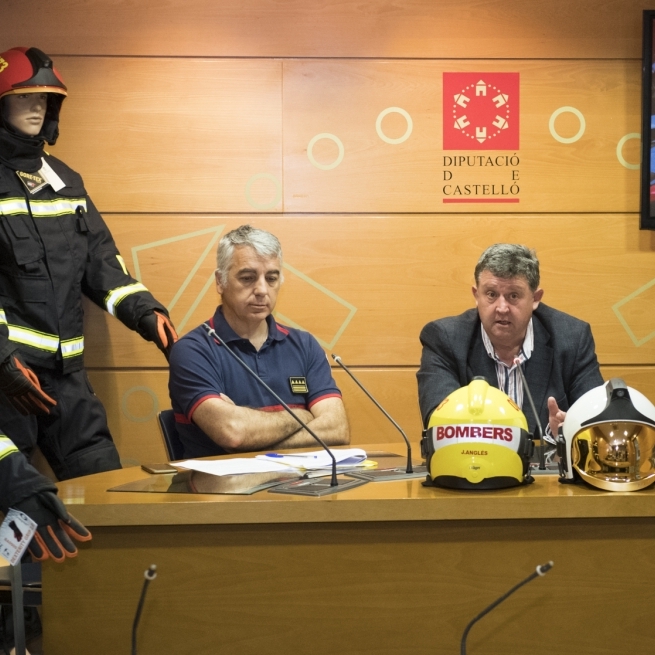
column 567, row 110
column 144, row 398
column 404, row 114
column 331, row 137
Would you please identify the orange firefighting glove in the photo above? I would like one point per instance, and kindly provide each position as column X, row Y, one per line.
column 55, row 527
column 22, row 388
column 157, row 327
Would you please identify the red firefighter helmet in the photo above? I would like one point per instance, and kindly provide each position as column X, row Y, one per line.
column 29, row 70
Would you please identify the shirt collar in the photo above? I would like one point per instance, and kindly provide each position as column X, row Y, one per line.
column 217, row 322
column 526, row 349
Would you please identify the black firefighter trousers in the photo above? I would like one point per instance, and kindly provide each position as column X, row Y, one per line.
column 74, row 437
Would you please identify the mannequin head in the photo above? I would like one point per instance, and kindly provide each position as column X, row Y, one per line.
column 31, row 94
column 25, row 112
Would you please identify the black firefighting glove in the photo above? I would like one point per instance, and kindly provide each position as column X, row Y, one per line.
column 157, row 327
column 23, row 389
column 55, row 527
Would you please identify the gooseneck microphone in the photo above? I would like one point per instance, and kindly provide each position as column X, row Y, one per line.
column 542, row 447
column 212, row 333
column 409, row 468
column 150, row 574
column 540, row 571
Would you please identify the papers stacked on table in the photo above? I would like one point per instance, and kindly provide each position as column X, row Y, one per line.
column 319, row 460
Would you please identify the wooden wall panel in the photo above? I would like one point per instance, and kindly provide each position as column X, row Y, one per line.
column 214, row 142
column 366, row 285
column 345, row 98
column 133, row 398
column 174, row 135
column 601, row 29
column 189, row 119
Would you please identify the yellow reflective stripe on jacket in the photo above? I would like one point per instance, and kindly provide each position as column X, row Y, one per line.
column 3, row 317
column 34, row 338
column 57, row 207
column 7, row 447
column 42, row 208
column 114, row 297
column 47, row 342
column 11, row 206
column 121, row 261
column 72, row 347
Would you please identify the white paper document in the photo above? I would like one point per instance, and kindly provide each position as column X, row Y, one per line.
column 316, row 460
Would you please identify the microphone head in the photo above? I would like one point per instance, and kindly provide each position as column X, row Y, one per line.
column 336, row 358
column 542, row 569
column 517, row 361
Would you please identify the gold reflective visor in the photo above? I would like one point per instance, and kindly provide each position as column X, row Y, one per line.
column 615, row 456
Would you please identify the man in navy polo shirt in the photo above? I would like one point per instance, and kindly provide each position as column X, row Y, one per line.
column 218, row 407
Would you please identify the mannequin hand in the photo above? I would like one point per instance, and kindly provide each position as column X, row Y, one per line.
column 55, row 527
column 157, row 327
column 23, row 389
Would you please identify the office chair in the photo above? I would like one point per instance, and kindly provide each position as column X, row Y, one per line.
column 172, row 443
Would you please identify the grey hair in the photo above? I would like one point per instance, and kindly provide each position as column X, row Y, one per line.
column 507, row 260
column 263, row 243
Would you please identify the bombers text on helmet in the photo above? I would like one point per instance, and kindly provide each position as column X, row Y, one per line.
column 29, row 70
column 508, row 260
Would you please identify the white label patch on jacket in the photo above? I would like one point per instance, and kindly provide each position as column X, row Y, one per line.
column 51, row 177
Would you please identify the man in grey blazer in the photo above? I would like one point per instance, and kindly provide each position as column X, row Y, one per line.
column 556, row 351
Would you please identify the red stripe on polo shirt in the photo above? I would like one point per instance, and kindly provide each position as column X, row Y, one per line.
column 211, row 325
column 279, row 408
column 202, row 400
column 282, row 329
column 327, row 395
column 180, row 418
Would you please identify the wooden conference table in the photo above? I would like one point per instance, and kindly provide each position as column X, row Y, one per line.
column 386, row 568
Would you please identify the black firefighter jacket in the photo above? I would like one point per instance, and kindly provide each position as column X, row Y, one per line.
column 54, row 247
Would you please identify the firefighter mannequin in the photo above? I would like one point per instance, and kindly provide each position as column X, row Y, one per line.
column 54, row 247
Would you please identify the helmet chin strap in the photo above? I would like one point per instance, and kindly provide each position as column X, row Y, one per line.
column 21, row 135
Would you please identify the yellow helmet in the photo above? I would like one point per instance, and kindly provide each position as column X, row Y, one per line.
column 477, row 438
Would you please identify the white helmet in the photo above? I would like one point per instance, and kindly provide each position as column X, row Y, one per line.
column 609, row 439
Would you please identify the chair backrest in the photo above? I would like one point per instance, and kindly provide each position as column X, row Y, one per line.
column 172, row 442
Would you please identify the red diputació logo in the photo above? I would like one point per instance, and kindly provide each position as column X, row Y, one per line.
column 480, row 111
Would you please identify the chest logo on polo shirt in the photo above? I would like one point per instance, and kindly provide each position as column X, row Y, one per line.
column 33, row 182
column 298, row 385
